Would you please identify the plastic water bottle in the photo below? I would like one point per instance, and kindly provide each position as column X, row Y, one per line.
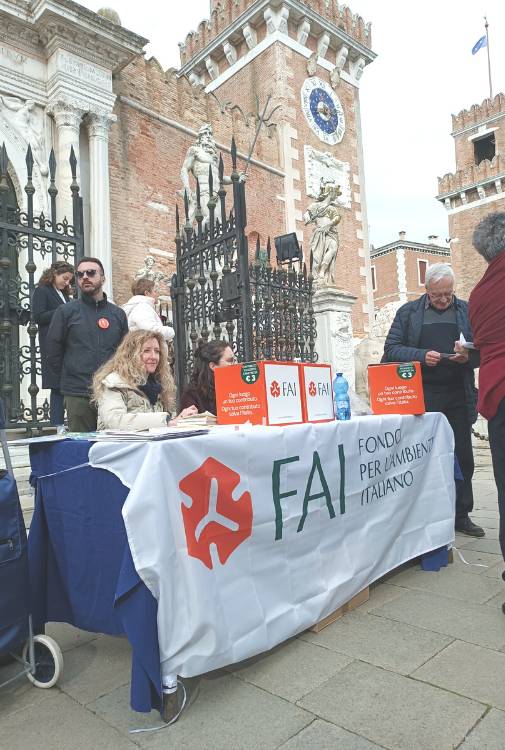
column 341, row 397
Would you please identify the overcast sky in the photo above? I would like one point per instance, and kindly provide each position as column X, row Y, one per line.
column 424, row 72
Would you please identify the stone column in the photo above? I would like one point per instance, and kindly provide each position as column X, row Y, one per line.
column 334, row 343
column 100, row 241
column 68, row 122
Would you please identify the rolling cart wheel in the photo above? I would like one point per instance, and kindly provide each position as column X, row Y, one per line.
column 48, row 661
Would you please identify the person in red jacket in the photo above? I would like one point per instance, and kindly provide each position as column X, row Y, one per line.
column 487, row 316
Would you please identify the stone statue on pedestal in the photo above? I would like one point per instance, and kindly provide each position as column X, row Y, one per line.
column 202, row 155
column 147, row 272
column 323, row 213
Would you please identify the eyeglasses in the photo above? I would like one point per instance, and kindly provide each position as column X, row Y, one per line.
column 90, row 274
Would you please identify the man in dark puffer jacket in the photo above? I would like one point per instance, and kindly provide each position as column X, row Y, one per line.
column 425, row 330
column 82, row 336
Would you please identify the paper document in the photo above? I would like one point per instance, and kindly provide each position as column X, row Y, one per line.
column 465, row 343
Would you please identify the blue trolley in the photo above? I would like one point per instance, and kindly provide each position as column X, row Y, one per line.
column 39, row 656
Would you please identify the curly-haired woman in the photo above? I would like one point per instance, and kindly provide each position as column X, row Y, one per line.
column 51, row 292
column 134, row 390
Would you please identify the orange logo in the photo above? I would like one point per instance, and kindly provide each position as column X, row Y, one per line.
column 103, row 323
column 214, row 516
column 275, row 389
column 312, row 388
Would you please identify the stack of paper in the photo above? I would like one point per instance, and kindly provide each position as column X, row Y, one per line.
column 205, row 419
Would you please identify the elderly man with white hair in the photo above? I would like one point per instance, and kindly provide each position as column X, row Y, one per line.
column 425, row 330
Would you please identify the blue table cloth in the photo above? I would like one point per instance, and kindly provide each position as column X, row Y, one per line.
column 81, row 569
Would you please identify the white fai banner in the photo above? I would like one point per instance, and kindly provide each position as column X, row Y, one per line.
column 246, row 538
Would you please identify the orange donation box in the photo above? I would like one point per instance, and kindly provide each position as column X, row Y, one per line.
column 259, row 392
column 317, row 393
column 396, row 388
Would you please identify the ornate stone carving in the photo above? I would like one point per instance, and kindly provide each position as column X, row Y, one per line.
column 340, row 61
column 369, row 351
column 322, row 44
column 323, row 213
column 312, row 64
column 277, row 21
column 303, row 30
column 24, row 117
column 334, row 343
column 212, row 67
column 99, row 125
column 322, row 165
column 230, row 53
column 358, row 68
column 250, row 36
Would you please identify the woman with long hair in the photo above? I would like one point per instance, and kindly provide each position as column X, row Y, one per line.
column 134, row 390
column 52, row 291
column 201, row 391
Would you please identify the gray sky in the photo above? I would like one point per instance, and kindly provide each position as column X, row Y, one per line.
column 424, row 72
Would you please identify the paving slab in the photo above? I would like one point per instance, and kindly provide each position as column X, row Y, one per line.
column 474, row 623
column 67, row 637
column 481, row 545
column 497, row 601
column 321, row 735
column 394, row 711
column 479, row 562
column 469, row 670
column 96, row 668
column 229, row 714
column 380, row 593
column 59, row 722
column 488, row 734
column 18, row 697
column 452, row 582
column 377, row 640
column 292, row 669
column 488, row 521
column 495, row 571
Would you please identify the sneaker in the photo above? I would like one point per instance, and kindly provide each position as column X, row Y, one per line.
column 173, row 704
column 468, row 527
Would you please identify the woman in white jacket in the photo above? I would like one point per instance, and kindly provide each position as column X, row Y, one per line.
column 141, row 311
column 135, row 390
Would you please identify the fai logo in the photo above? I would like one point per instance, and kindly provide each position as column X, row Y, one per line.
column 275, row 389
column 214, row 516
column 312, row 388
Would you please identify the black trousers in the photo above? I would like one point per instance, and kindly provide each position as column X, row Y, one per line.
column 453, row 405
column 496, row 427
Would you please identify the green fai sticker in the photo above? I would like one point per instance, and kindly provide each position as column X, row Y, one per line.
column 406, row 372
column 250, row 372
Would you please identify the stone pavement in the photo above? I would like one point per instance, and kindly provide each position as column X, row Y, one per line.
column 421, row 666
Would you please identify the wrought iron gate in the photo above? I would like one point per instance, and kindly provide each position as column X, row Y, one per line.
column 263, row 311
column 29, row 241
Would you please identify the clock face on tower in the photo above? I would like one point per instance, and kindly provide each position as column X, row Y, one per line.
column 323, row 110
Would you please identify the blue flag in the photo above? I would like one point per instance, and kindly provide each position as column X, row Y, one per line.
column 478, row 45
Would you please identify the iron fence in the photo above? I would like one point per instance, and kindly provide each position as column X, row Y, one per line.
column 264, row 311
column 28, row 241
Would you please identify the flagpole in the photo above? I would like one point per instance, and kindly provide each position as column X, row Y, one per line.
column 488, row 59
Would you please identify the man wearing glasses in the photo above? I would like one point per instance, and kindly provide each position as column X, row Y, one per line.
column 425, row 330
column 82, row 336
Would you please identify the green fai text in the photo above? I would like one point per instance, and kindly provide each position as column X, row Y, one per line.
column 316, row 468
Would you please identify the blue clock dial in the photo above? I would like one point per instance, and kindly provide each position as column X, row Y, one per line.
column 323, row 111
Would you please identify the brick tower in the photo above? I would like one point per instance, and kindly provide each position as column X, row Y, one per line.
column 477, row 187
column 309, row 58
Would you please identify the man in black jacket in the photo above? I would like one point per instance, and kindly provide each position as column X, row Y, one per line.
column 82, row 336
column 426, row 330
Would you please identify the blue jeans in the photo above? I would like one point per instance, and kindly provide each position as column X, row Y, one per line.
column 56, row 408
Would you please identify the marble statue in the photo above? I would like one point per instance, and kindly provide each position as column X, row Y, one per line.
column 147, row 272
column 369, row 351
column 202, row 155
column 25, row 120
column 323, row 213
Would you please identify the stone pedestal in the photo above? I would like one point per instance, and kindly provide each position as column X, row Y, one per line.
column 334, row 343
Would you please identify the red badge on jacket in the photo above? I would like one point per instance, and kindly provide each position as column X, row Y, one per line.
column 103, row 323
